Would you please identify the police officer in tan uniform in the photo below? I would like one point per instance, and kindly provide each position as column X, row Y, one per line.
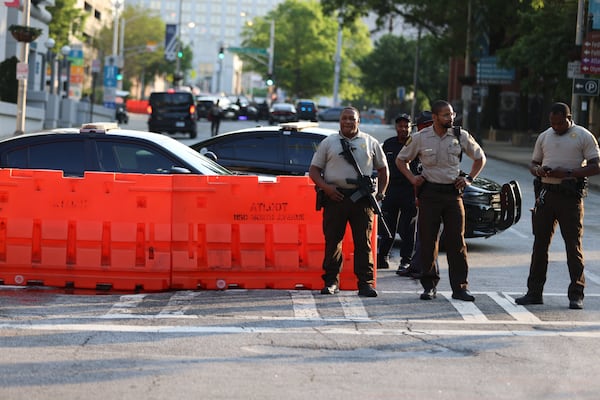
column 330, row 172
column 563, row 156
column 440, row 188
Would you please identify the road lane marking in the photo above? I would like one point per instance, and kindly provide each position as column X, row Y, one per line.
column 329, row 330
column 519, row 313
column 353, row 306
column 304, row 305
column 125, row 305
column 467, row 309
column 178, row 304
column 590, row 276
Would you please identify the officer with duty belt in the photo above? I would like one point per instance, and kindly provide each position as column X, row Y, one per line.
column 336, row 177
column 563, row 156
column 440, row 186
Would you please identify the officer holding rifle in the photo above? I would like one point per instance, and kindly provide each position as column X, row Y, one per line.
column 341, row 169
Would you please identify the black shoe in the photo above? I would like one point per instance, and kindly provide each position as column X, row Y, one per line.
column 529, row 299
column 429, row 294
column 463, row 294
column 404, row 270
column 367, row 291
column 576, row 304
column 330, row 289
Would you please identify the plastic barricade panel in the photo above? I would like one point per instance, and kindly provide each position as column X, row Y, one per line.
column 232, row 231
column 103, row 229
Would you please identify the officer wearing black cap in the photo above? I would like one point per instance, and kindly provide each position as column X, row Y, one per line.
column 398, row 206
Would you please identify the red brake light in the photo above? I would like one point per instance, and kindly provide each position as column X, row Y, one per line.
column 193, row 109
column 149, row 109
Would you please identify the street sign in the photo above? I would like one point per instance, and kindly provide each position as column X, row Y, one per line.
column 586, row 87
column 22, row 71
column 110, row 75
column 590, row 53
column 574, row 70
column 171, row 42
column 489, row 73
column 247, row 50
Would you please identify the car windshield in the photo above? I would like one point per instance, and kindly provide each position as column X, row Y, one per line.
column 170, row 99
column 204, row 165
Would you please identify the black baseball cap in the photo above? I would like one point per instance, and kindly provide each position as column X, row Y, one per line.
column 424, row 117
column 401, row 117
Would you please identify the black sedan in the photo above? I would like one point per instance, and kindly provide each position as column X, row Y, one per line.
column 282, row 112
column 287, row 149
column 104, row 147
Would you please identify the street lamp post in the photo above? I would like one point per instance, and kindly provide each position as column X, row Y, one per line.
column 50, row 56
column 338, row 64
column 22, row 91
column 66, row 66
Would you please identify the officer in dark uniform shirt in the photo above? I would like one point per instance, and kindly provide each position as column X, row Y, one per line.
column 398, row 206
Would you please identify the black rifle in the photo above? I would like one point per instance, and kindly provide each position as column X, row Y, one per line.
column 365, row 185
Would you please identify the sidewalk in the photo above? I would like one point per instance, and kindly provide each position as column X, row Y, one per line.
column 520, row 155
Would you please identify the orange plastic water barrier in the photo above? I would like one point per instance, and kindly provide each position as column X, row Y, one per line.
column 159, row 232
column 240, row 232
column 103, row 230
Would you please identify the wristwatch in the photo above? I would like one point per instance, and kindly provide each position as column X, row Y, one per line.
column 379, row 196
column 469, row 178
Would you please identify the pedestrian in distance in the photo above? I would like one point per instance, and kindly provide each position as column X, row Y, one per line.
column 440, row 186
column 398, row 206
column 346, row 200
column 215, row 114
column 564, row 155
column 423, row 120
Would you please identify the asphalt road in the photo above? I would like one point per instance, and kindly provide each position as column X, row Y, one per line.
column 298, row 344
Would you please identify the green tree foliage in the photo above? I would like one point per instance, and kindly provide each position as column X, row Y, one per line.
column 67, row 20
column 536, row 37
column 305, row 47
column 391, row 64
column 143, row 29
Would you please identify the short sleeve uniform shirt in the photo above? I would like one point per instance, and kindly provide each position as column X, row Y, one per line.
column 336, row 169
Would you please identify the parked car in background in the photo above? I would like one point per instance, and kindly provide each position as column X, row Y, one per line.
column 104, row 147
column 171, row 112
column 282, row 112
column 288, row 148
column 330, row 114
column 307, row 110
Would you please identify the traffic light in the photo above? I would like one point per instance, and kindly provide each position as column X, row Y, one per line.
column 119, row 75
column 221, row 53
column 269, row 80
column 179, row 54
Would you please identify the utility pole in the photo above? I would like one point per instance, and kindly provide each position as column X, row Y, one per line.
column 338, row 64
column 178, row 76
column 467, row 88
column 24, row 59
column 575, row 98
column 271, row 56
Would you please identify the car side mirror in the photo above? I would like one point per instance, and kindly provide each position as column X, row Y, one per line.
column 209, row 155
column 180, row 170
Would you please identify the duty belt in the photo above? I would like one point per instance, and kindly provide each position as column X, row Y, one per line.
column 347, row 192
column 441, row 187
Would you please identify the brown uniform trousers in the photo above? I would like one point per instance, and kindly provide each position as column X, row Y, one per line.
column 336, row 217
column 567, row 210
column 442, row 203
